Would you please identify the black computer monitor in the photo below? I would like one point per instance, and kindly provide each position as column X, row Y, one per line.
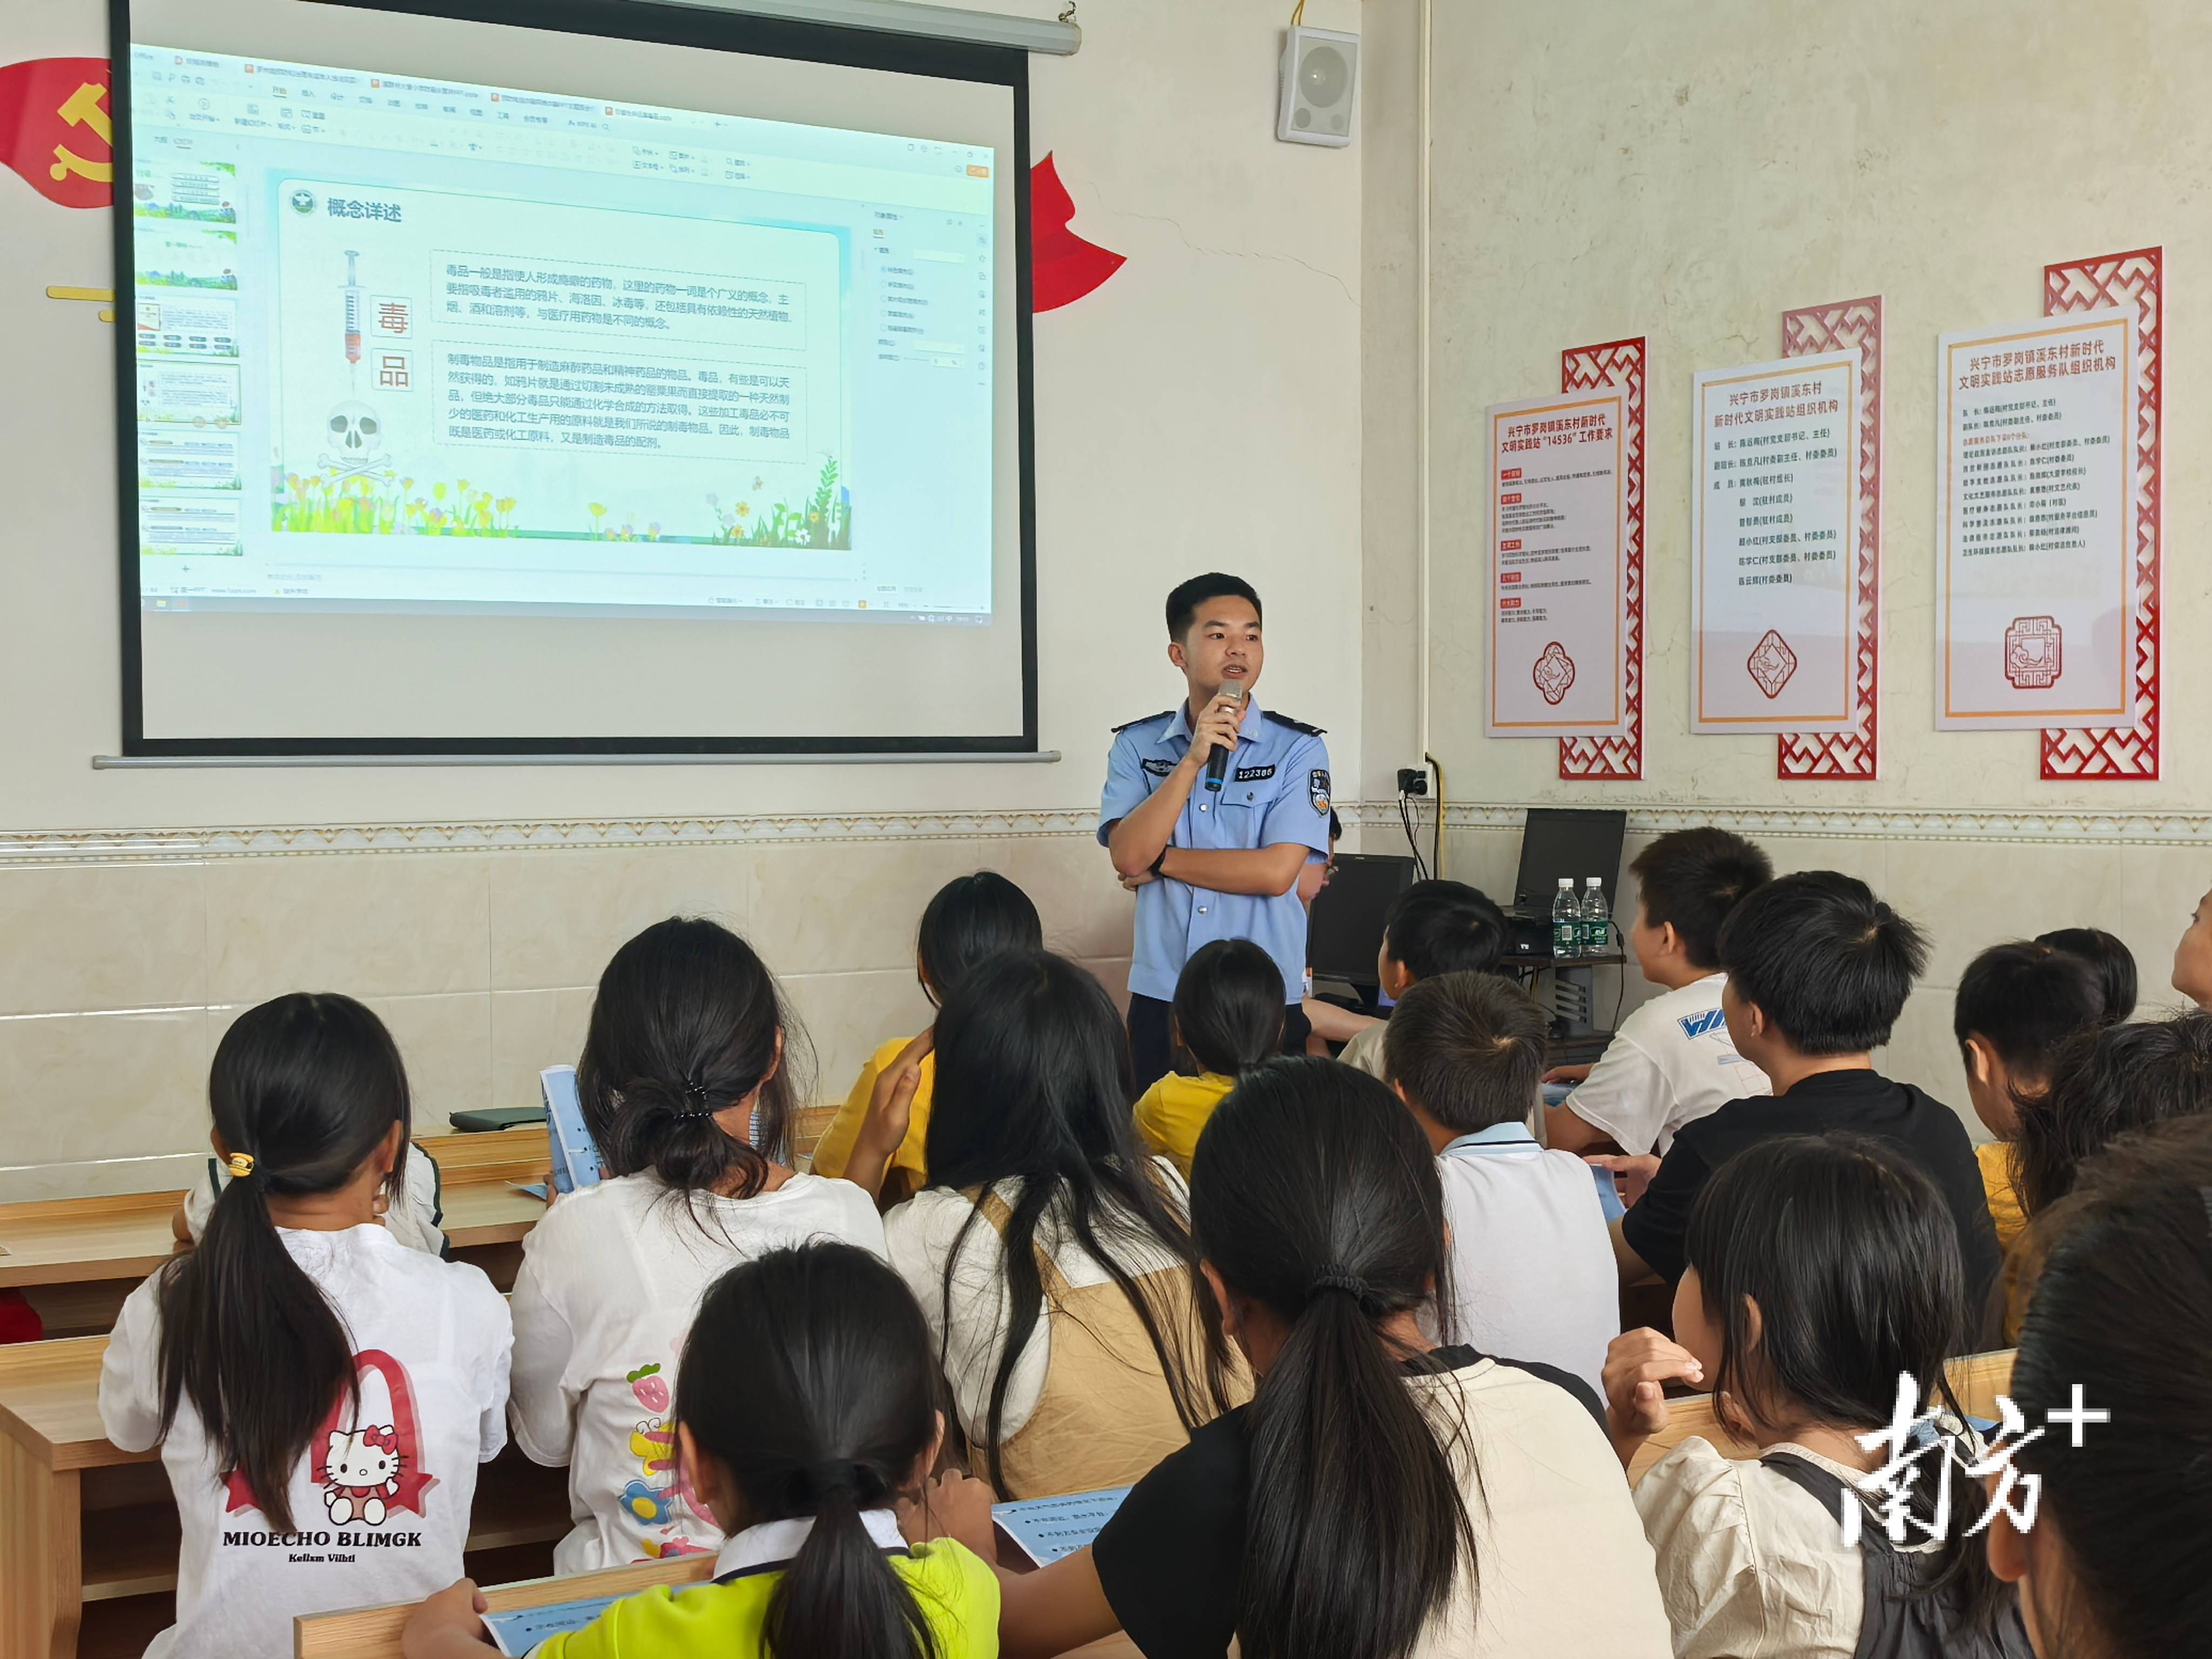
column 1571, row 842
column 1345, row 929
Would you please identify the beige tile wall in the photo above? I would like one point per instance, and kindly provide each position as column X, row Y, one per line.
column 117, row 978
column 1966, row 894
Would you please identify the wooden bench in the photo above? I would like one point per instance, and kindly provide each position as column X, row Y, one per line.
column 1977, row 1379
column 76, row 1259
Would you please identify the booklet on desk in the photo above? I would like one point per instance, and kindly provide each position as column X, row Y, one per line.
column 1046, row 1528
column 575, row 1154
column 518, row 1632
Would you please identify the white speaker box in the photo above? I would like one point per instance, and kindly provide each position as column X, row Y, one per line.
column 1320, row 84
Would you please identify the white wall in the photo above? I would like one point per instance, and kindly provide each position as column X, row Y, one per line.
column 1687, row 169
column 1200, row 410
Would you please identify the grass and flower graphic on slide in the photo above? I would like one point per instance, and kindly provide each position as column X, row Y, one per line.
column 382, row 501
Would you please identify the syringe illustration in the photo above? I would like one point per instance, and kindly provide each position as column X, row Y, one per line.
column 353, row 308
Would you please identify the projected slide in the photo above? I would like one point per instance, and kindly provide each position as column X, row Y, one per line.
column 406, row 344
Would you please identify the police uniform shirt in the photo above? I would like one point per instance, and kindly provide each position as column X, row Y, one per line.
column 1276, row 792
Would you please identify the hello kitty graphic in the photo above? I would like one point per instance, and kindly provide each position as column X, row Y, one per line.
column 362, row 1473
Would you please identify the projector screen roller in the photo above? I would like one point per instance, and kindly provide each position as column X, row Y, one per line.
column 643, row 380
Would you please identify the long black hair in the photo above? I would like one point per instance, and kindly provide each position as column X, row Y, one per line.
column 970, row 920
column 1229, row 1006
column 308, row 1087
column 1314, row 1193
column 684, row 1025
column 2104, row 1084
column 807, row 1375
column 2119, row 1319
column 1853, row 1258
column 1033, row 1086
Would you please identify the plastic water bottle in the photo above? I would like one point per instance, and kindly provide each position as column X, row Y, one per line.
column 1566, row 921
column 1597, row 918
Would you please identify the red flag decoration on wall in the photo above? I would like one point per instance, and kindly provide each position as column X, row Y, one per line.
column 1063, row 267
column 55, row 128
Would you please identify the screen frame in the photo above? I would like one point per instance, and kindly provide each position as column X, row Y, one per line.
column 632, row 20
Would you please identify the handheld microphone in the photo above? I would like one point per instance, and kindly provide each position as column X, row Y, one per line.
column 1216, row 763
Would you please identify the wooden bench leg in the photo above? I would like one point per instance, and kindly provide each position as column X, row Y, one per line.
column 41, row 1557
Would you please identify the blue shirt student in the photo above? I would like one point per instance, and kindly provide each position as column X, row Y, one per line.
column 1276, row 793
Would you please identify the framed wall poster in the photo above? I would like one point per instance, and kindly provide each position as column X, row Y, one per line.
column 1624, row 363
column 1558, row 548
column 2035, row 617
column 1774, row 529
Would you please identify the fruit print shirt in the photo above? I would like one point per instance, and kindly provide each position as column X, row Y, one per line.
column 381, row 1500
column 610, row 1280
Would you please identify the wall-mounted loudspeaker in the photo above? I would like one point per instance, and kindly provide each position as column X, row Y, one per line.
column 1321, row 83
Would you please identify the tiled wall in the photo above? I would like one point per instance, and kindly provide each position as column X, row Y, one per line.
column 1968, row 885
column 117, row 976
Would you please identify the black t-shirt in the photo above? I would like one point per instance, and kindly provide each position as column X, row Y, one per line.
column 1171, row 1559
column 1862, row 1101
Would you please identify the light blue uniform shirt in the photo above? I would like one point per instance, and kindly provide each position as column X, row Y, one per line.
column 1277, row 792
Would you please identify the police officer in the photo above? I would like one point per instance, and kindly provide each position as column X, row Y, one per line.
column 1206, row 864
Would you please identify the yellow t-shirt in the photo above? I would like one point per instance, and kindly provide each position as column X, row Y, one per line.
column 1994, row 1157
column 1172, row 1111
column 958, row 1596
column 834, row 1150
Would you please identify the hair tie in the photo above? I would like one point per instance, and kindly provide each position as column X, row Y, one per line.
column 241, row 1165
column 834, row 1477
column 1342, row 1278
column 695, row 1102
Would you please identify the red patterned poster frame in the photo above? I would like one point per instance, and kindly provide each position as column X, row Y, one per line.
column 2135, row 282
column 1583, row 368
column 1849, row 324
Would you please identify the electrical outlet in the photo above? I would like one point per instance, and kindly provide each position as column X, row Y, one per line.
column 1412, row 781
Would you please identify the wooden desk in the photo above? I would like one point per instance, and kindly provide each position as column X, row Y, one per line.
column 373, row 1632
column 83, row 1523
column 76, row 1259
column 1977, row 1379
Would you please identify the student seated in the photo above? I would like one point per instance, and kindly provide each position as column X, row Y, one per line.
column 687, row 1087
column 803, row 1408
column 1432, row 927
column 1532, row 1268
column 2104, row 1084
column 1382, row 1497
column 2017, row 1006
column 302, row 1371
column 969, row 919
column 415, row 1217
column 2108, row 957
column 1051, row 1258
column 1672, row 1059
column 1227, row 1017
column 1818, row 971
column 1821, row 1270
column 2119, row 1562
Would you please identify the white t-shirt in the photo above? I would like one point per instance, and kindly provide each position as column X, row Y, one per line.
column 1670, row 1063
column 608, row 1283
column 414, row 1221
column 1532, row 1273
column 920, row 1236
column 379, row 1503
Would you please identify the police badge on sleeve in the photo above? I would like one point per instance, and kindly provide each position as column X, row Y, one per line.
column 1317, row 789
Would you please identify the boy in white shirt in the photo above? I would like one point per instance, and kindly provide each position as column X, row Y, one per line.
column 1532, row 1271
column 1672, row 1060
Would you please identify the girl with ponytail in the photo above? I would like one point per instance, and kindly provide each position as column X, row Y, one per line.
column 321, row 1393
column 805, row 1416
column 687, row 1083
column 1382, row 1497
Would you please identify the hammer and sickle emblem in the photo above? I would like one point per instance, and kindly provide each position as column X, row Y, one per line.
column 84, row 108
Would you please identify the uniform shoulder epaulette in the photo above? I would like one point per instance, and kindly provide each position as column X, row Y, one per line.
column 1295, row 725
column 1164, row 714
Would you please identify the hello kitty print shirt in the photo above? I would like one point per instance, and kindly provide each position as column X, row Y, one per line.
column 380, row 1498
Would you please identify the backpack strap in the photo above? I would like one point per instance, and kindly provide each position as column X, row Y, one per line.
column 1826, row 1486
